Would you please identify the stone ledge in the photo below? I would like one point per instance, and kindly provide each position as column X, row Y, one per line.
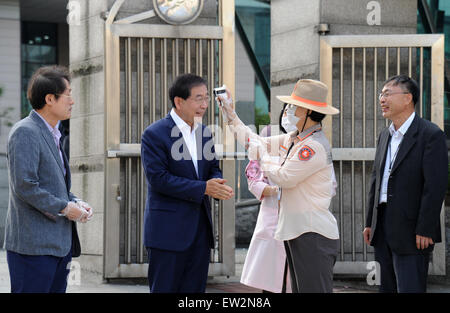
column 86, row 69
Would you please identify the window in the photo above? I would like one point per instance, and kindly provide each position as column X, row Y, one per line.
column 39, row 42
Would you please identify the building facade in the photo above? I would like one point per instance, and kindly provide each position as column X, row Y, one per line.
column 275, row 43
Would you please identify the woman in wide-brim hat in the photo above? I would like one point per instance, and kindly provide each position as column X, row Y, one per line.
column 312, row 95
column 300, row 163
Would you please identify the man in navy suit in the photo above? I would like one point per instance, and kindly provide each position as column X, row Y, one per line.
column 407, row 189
column 182, row 172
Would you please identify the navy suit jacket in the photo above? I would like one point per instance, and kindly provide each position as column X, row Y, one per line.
column 416, row 187
column 175, row 193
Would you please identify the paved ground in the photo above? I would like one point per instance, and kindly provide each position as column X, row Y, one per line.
column 92, row 284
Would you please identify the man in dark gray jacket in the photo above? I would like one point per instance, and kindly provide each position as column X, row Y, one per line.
column 407, row 190
column 41, row 236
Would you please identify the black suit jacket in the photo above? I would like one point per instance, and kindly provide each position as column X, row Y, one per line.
column 76, row 246
column 416, row 187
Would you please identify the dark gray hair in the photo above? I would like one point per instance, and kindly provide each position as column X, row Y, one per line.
column 46, row 80
column 407, row 83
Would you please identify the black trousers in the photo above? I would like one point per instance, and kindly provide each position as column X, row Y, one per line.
column 311, row 258
column 398, row 273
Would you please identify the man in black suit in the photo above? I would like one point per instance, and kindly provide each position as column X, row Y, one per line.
column 407, row 189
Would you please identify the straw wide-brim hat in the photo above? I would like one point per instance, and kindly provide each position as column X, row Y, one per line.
column 310, row 94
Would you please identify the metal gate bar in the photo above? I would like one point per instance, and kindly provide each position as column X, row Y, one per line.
column 364, row 146
column 128, row 139
column 140, row 172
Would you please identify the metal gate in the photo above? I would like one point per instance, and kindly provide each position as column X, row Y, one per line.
column 141, row 62
column 355, row 68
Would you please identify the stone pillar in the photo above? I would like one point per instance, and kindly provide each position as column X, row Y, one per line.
column 10, row 83
column 360, row 17
column 87, row 146
column 294, row 47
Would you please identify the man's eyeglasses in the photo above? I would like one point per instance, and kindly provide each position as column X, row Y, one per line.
column 62, row 94
column 388, row 94
column 200, row 100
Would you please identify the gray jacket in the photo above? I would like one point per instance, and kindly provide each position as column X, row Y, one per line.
column 38, row 191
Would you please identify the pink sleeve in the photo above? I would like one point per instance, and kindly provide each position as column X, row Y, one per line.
column 257, row 188
column 255, row 178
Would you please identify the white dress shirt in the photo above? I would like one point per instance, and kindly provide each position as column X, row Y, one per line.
column 392, row 151
column 188, row 136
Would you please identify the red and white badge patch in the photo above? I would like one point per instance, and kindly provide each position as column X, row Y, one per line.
column 306, row 153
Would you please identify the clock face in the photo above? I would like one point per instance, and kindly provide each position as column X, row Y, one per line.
column 178, row 11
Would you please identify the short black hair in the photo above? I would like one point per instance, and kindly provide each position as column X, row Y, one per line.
column 46, row 80
column 281, row 118
column 406, row 82
column 182, row 86
column 316, row 116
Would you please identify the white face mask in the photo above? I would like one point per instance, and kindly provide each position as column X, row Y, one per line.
column 289, row 121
